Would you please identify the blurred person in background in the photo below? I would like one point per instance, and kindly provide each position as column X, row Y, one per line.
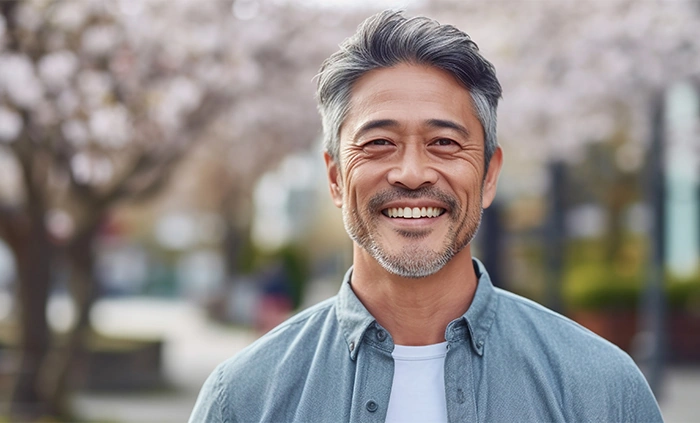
column 417, row 331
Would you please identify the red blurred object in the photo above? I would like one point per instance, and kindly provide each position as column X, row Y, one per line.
column 272, row 310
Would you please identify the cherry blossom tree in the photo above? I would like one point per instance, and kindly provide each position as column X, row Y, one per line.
column 94, row 110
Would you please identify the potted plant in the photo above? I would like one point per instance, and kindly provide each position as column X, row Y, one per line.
column 607, row 301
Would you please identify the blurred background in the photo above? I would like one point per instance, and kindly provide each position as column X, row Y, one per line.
column 163, row 198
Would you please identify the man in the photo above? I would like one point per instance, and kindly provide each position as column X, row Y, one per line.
column 417, row 331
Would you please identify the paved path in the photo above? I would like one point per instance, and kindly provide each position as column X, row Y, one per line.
column 194, row 346
column 680, row 402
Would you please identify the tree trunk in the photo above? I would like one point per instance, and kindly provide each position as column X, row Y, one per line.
column 32, row 247
column 60, row 377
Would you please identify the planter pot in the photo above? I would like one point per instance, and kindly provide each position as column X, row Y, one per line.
column 617, row 326
column 620, row 328
column 684, row 337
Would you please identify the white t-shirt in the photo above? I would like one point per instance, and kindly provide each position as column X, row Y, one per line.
column 418, row 389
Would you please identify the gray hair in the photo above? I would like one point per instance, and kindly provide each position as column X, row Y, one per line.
column 387, row 39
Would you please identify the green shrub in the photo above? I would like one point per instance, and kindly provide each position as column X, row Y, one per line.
column 683, row 293
column 598, row 287
column 594, row 287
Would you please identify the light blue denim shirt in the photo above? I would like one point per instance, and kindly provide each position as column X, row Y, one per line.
column 508, row 360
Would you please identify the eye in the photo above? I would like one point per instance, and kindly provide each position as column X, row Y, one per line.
column 444, row 142
column 378, row 142
column 445, row 146
column 377, row 145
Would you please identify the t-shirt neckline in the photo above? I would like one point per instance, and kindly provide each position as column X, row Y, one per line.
column 419, row 352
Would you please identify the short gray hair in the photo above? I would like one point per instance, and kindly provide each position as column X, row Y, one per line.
column 387, row 39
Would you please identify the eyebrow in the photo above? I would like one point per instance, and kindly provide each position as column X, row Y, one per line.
column 391, row 123
column 441, row 123
column 374, row 124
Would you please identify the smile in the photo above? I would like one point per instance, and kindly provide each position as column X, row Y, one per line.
column 413, row 213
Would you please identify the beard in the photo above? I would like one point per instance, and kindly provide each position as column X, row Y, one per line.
column 412, row 260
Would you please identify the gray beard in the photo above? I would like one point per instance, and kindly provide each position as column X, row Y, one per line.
column 412, row 261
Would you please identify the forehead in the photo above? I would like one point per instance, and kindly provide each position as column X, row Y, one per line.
column 410, row 94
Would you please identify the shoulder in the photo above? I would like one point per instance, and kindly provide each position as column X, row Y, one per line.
column 286, row 337
column 597, row 376
column 558, row 338
column 269, row 367
column 316, row 314
column 517, row 311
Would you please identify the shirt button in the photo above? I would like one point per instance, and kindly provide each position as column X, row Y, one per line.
column 352, row 346
column 371, row 406
column 381, row 335
column 460, row 396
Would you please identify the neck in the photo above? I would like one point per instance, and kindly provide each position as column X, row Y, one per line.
column 415, row 311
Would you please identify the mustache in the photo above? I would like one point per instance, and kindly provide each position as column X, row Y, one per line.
column 376, row 203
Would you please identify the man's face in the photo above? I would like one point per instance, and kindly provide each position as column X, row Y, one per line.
column 411, row 180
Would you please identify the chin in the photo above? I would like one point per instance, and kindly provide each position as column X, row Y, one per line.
column 414, row 262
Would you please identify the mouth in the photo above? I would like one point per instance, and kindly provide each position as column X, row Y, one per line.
column 413, row 212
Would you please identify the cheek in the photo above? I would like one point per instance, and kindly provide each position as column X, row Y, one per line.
column 466, row 182
column 464, row 179
column 360, row 178
column 353, row 191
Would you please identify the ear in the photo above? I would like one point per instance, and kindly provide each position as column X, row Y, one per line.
column 334, row 180
column 491, row 179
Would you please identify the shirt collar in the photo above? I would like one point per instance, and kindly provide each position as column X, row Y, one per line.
column 481, row 313
column 353, row 317
column 475, row 324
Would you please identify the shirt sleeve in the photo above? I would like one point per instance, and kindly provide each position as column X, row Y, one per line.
column 641, row 404
column 208, row 406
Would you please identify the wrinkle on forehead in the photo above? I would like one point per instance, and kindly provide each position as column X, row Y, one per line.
column 378, row 92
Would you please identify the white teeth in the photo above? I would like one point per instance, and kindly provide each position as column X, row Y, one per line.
column 415, row 212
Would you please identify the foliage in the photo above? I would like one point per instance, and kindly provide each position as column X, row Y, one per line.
column 291, row 260
column 296, row 265
column 595, row 284
column 683, row 293
column 598, row 287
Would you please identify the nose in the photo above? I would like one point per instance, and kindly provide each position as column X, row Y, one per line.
column 414, row 170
